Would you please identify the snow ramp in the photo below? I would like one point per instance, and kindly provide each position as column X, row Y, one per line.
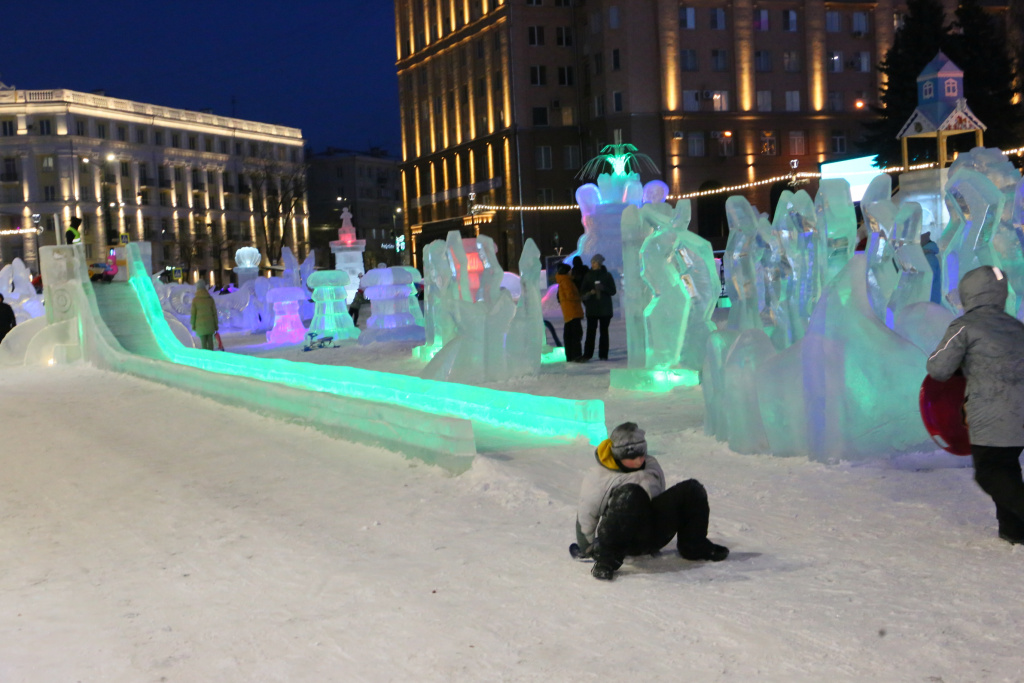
column 121, row 326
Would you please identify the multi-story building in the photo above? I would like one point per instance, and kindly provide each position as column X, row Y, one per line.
column 367, row 183
column 504, row 101
column 194, row 184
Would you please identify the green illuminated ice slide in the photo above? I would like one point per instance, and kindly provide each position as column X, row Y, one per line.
column 441, row 422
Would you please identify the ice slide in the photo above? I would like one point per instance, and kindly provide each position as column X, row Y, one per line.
column 120, row 326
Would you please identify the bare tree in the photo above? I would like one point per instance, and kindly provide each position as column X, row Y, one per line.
column 278, row 196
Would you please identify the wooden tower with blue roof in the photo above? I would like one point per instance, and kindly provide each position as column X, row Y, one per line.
column 941, row 108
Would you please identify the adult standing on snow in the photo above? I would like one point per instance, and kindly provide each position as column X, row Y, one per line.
column 985, row 343
column 572, row 312
column 597, row 292
column 7, row 319
column 624, row 508
column 204, row 315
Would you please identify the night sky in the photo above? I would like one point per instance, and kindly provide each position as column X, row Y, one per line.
column 325, row 66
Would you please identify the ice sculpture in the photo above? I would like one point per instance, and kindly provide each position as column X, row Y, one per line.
column 742, row 254
column 837, row 219
column 635, row 295
column 295, row 275
column 880, row 218
column 19, row 292
column 392, row 294
column 730, row 378
column 247, row 264
column 494, row 338
column 914, row 282
column 331, row 322
column 438, row 314
column 288, row 328
column 348, row 251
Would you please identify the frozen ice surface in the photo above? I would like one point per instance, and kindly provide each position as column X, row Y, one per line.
column 923, row 324
column 392, row 295
column 331, row 317
column 288, row 327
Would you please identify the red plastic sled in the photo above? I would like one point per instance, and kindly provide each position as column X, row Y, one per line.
column 942, row 410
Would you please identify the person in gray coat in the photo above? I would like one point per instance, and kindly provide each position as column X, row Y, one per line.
column 625, row 509
column 987, row 345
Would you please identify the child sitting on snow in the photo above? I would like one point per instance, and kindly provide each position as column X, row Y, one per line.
column 624, row 508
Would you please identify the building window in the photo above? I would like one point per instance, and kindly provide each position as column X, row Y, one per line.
column 763, row 60
column 538, row 75
column 769, row 144
column 792, row 100
column 928, row 90
column 126, row 169
column 760, row 20
column 688, row 59
column 540, row 116
column 563, row 36
column 44, row 127
column 534, row 3
column 835, row 61
column 49, row 193
column 835, row 100
column 535, row 35
column 791, row 61
column 571, row 157
column 101, row 131
column 7, row 128
column 545, row 196
column 726, row 147
column 860, row 24
column 864, row 62
column 833, row 21
column 616, row 60
column 691, row 100
column 140, row 136
column 543, row 157
column 838, row 142
column 175, row 140
column 122, row 133
column 687, row 18
column 717, row 19
column 720, row 100
column 789, row 20
column 613, row 16
column 764, row 100
column 81, row 128
column 695, row 144
column 797, row 143
column 599, row 105
column 159, row 138
column 616, row 101
column 719, row 60
column 950, row 85
column 566, row 75
column 48, row 164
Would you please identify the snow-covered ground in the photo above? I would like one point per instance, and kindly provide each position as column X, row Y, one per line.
column 151, row 535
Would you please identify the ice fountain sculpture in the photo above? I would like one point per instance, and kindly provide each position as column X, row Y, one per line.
column 247, row 264
column 495, row 339
column 392, row 293
column 331, row 322
column 288, row 328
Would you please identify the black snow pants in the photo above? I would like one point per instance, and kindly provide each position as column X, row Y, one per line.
column 997, row 471
column 634, row 524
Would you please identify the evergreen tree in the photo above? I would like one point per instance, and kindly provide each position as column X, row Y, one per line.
column 977, row 45
column 916, row 42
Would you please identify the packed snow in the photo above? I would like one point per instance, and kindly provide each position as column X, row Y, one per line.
column 147, row 534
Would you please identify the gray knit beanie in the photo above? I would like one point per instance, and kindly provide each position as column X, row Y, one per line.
column 628, row 441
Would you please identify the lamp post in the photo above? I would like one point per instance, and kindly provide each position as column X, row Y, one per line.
column 394, row 234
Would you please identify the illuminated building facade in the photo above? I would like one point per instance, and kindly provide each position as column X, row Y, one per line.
column 194, row 184
column 366, row 182
column 504, row 100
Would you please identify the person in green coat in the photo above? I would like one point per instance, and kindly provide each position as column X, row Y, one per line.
column 597, row 292
column 204, row 315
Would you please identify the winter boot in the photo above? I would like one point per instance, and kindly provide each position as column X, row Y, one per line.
column 703, row 550
column 602, row 571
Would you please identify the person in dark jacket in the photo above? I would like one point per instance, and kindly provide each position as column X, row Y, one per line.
column 579, row 271
column 931, row 254
column 7, row 319
column 597, row 292
column 986, row 345
column 572, row 313
column 624, row 508
column 204, row 315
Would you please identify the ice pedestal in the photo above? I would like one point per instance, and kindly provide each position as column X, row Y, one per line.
column 331, row 322
column 288, row 328
column 392, row 294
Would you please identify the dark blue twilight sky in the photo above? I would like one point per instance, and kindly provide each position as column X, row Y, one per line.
column 325, row 66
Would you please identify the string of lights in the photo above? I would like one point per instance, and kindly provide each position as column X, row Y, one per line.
column 717, row 190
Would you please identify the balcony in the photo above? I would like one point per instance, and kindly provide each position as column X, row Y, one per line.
column 199, row 186
column 145, row 182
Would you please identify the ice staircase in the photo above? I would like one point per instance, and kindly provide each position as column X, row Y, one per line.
column 123, row 315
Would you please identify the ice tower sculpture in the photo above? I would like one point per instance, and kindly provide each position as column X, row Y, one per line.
column 348, row 251
column 288, row 328
column 495, row 339
column 392, row 293
column 331, row 322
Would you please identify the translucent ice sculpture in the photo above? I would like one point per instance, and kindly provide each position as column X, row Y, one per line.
column 19, row 293
column 330, row 317
column 247, row 264
column 742, row 254
column 438, row 310
column 392, row 293
column 524, row 343
column 634, row 295
column 915, row 275
column 837, row 219
column 288, row 328
column 880, row 218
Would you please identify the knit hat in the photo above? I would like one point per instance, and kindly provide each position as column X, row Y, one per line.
column 628, row 441
column 597, row 257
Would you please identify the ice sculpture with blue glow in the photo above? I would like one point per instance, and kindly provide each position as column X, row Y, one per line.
column 837, row 218
column 914, row 282
column 880, row 218
column 288, row 328
column 392, row 294
column 331, row 322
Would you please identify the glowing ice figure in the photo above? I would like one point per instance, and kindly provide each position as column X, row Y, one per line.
column 524, row 343
column 288, row 328
column 915, row 275
column 330, row 317
column 837, row 219
column 438, row 314
column 880, row 218
column 247, row 264
column 392, row 293
column 635, row 295
column 742, row 254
